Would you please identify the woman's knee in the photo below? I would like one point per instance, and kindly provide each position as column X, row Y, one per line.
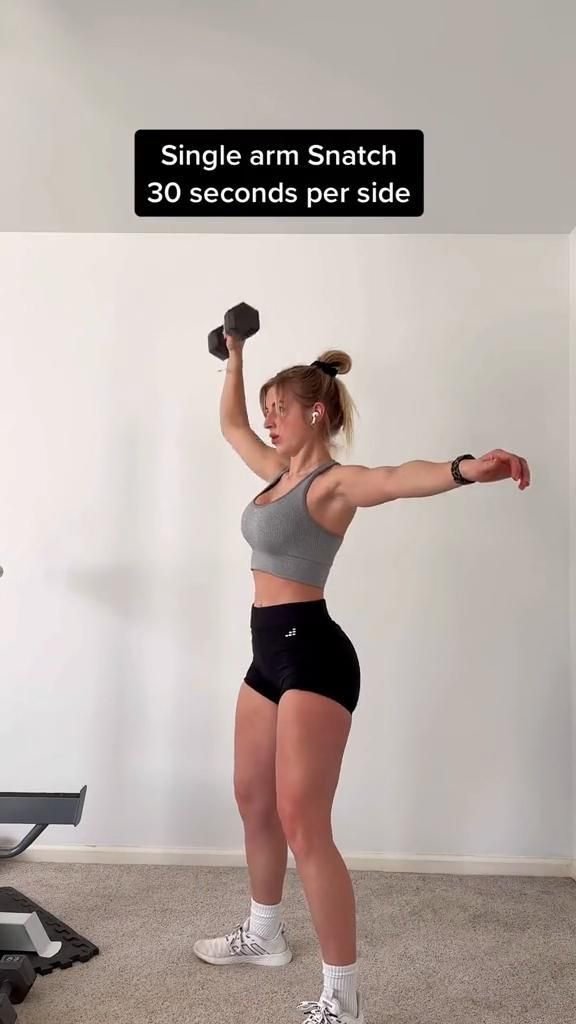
column 256, row 804
column 303, row 816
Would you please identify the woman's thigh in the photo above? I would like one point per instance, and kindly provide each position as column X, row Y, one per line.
column 313, row 731
column 255, row 750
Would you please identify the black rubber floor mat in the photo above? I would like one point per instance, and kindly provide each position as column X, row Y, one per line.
column 75, row 948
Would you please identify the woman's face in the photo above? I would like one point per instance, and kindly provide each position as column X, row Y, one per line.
column 284, row 420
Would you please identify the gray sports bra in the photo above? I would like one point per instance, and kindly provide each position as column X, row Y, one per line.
column 285, row 540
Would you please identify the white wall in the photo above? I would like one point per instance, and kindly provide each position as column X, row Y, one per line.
column 125, row 603
column 78, row 79
column 572, row 506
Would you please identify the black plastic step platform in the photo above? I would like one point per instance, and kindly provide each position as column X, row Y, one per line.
column 75, row 948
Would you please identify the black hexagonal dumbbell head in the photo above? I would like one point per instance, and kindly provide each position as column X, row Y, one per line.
column 242, row 320
column 16, row 979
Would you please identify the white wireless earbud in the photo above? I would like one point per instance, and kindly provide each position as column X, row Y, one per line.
column 314, row 418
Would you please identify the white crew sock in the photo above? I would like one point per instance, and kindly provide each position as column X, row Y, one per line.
column 342, row 983
column 265, row 920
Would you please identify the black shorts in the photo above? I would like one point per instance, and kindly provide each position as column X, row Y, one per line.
column 299, row 646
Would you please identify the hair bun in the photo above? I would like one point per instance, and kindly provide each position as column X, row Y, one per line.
column 339, row 362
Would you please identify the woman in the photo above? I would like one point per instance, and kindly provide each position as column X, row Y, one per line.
column 295, row 705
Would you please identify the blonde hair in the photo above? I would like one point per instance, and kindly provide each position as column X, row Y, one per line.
column 310, row 384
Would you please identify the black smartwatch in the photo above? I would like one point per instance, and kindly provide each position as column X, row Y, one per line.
column 457, row 475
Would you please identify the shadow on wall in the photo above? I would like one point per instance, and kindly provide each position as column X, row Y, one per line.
column 151, row 594
column 163, row 708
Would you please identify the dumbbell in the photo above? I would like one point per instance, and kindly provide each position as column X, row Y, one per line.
column 242, row 320
column 16, row 979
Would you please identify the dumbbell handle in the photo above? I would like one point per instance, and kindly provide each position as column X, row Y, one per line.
column 7, row 1011
column 238, row 347
column 240, row 322
column 239, row 342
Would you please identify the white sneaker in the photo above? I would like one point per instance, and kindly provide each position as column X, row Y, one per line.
column 243, row 947
column 329, row 1010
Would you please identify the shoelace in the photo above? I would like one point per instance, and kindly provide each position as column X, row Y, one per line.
column 320, row 1013
column 236, row 939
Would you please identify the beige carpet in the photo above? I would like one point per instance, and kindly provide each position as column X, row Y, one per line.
column 433, row 949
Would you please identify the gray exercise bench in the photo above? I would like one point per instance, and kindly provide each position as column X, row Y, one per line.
column 25, row 927
column 40, row 810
